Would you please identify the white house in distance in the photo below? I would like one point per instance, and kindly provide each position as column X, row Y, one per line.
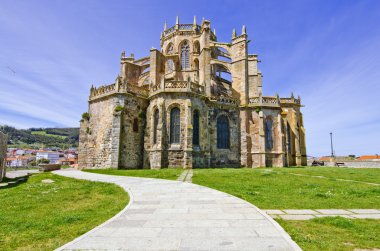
column 52, row 156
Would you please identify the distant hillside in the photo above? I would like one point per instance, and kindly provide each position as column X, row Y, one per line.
column 49, row 137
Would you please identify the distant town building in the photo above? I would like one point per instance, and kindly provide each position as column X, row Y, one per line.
column 53, row 157
column 18, row 161
column 369, row 157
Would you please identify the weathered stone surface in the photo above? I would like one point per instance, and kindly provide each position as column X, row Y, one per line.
column 186, row 73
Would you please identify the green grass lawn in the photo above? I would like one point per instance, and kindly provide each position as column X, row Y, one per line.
column 49, row 135
column 334, row 233
column 40, row 216
column 275, row 188
column 167, row 173
column 359, row 174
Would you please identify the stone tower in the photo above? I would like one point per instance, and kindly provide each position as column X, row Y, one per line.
column 195, row 102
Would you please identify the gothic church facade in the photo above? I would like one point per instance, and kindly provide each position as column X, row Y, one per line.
column 195, row 102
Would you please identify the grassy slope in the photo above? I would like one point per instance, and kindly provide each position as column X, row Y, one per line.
column 49, row 135
column 275, row 189
column 334, row 233
column 39, row 216
column 169, row 174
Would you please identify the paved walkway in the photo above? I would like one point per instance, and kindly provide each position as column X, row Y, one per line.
column 186, row 176
column 307, row 214
column 20, row 173
column 173, row 215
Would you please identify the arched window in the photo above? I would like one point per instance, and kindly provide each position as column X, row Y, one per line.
column 135, row 125
column 223, row 133
column 196, row 64
column 268, row 134
column 175, row 125
column 196, row 128
column 197, row 47
column 170, row 65
column 155, row 125
column 185, row 56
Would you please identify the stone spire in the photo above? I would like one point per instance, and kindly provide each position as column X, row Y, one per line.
column 195, row 21
column 233, row 33
column 177, row 20
column 243, row 30
column 165, row 26
column 215, row 32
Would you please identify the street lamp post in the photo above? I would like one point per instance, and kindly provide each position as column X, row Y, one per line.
column 332, row 148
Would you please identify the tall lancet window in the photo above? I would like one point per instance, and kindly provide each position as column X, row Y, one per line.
column 175, row 125
column 170, row 65
column 185, row 56
column 196, row 128
column 268, row 134
column 155, row 125
column 223, row 133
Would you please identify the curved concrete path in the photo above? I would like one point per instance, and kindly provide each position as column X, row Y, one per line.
column 173, row 215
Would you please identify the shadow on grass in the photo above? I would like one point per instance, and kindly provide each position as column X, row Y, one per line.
column 13, row 182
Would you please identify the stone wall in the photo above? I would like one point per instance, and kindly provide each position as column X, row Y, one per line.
column 108, row 139
column 133, row 120
column 99, row 141
column 3, row 154
column 356, row 164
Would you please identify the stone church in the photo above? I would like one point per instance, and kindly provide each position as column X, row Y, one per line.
column 195, row 102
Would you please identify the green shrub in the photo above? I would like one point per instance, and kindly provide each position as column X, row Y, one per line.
column 85, row 116
column 119, row 108
column 43, row 161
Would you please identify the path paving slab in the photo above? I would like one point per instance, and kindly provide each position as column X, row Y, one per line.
column 174, row 215
column 334, row 215
column 274, row 211
column 300, row 211
column 366, row 216
column 297, row 216
column 333, row 211
column 365, row 211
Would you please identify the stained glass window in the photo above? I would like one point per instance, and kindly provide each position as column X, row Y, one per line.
column 268, row 134
column 175, row 125
column 223, row 133
column 196, row 128
column 185, row 56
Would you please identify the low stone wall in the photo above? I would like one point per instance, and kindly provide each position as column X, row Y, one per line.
column 355, row 164
column 49, row 167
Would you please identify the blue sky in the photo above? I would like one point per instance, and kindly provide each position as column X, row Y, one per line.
column 328, row 52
